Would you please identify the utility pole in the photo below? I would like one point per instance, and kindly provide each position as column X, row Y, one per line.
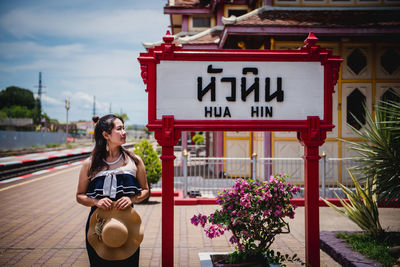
column 39, row 98
column 94, row 105
column 40, row 86
column 67, row 106
column 110, row 109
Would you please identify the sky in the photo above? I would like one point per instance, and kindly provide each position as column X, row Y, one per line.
column 83, row 48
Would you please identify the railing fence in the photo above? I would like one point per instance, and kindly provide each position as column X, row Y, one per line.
column 205, row 176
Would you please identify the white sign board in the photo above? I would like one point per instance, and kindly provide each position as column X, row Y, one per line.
column 240, row 90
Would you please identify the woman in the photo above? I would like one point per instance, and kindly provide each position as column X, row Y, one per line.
column 109, row 158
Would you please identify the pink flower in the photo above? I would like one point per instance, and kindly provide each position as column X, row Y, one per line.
column 278, row 213
column 213, row 231
column 199, row 219
column 194, row 220
column 233, row 239
column 246, row 203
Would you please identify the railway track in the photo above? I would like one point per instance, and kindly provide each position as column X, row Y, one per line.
column 15, row 170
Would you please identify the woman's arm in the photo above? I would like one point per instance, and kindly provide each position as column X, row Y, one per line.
column 142, row 179
column 126, row 201
column 81, row 197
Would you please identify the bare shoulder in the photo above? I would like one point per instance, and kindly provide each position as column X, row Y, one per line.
column 139, row 159
column 86, row 163
column 135, row 157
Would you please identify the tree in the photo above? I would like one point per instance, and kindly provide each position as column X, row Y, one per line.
column 3, row 115
column 16, row 96
column 18, row 112
column 124, row 116
column 379, row 153
column 146, row 131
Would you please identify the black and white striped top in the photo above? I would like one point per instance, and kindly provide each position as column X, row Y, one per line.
column 115, row 183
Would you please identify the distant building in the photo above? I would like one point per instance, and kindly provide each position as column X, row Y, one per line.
column 84, row 128
column 16, row 123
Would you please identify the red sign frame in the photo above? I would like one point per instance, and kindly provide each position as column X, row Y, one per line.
column 308, row 53
column 311, row 132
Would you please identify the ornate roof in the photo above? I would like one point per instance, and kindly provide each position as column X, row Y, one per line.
column 272, row 20
column 320, row 17
column 190, row 3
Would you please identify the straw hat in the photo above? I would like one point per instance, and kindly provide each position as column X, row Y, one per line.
column 115, row 234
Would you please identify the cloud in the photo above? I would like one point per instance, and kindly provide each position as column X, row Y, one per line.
column 83, row 50
column 73, row 60
column 80, row 99
column 50, row 100
column 12, row 50
column 107, row 25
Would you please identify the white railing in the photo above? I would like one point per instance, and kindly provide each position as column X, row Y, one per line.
column 206, row 176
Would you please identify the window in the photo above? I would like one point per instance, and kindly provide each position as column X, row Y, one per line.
column 287, row 2
column 236, row 12
column 390, row 95
column 390, row 61
column 368, row 1
column 357, row 61
column 314, row 1
column 341, row 2
column 355, row 109
column 201, row 22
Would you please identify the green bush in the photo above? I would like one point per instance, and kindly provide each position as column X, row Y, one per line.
column 3, row 115
column 198, row 139
column 17, row 112
column 150, row 159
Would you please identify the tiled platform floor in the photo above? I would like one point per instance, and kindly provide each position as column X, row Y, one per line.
column 41, row 224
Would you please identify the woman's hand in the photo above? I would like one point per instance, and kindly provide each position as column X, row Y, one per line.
column 123, row 203
column 104, row 203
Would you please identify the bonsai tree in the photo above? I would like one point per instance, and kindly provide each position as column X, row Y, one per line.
column 254, row 213
column 151, row 161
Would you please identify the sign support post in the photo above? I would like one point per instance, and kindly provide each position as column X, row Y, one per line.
column 167, row 137
column 312, row 139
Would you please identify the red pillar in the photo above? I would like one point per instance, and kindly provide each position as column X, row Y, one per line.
column 167, row 137
column 312, row 139
column 167, row 212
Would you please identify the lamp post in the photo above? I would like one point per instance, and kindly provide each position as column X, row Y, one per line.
column 67, row 105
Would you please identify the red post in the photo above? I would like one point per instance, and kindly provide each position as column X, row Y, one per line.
column 311, row 140
column 167, row 213
column 167, row 137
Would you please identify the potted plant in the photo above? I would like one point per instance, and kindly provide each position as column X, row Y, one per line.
column 151, row 162
column 254, row 213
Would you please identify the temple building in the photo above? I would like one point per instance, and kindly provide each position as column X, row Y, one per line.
column 365, row 33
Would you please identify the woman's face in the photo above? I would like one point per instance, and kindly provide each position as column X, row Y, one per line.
column 118, row 134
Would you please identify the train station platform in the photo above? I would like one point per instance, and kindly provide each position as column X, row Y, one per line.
column 43, row 225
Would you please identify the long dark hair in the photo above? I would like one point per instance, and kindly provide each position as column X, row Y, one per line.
column 99, row 152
